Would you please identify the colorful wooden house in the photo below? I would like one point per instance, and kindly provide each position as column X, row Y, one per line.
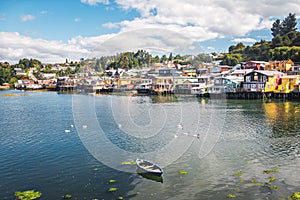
column 222, row 85
column 256, row 65
column 163, row 85
column 257, row 79
column 281, row 65
column 287, row 84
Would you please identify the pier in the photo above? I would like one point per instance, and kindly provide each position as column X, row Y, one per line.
column 257, row 95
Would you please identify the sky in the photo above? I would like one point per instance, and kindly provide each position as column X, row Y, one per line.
column 55, row 30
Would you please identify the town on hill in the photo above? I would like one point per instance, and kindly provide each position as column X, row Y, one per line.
column 265, row 69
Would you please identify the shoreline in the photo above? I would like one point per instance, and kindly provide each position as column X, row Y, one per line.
column 293, row 96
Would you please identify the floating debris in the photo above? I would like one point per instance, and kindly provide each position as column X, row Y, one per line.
column 72, row 125
column 175, row 136
column 112, row 181
column 67, row 196
column 28, row 195
column 267, row 171
column 132, row 162
column 96, row 169
column 112, row 189
column 274, row 187
column 295, row 196
column 67, row 131
column 252, row 181
column 120, row 198
column 182, row 172
column 271, row 171
column 272, row 178
column 231, row 196
column 239, row 173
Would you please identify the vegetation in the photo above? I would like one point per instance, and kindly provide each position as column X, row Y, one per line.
column 284, row 45
column 28, row 195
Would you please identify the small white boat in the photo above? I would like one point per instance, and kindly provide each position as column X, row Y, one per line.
column 145, row 166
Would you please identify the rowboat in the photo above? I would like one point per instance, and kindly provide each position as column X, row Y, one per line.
column 145, row 166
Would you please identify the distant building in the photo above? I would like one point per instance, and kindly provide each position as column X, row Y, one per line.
column 256, row 65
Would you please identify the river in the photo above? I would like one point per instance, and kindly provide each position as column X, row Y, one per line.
column 209, row 148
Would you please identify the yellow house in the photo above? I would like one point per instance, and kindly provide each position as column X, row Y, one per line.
column 272, row 83
column 288, row 83
column 284, row 84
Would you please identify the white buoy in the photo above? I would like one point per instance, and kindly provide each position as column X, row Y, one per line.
column 119, row 125
column 67, row 131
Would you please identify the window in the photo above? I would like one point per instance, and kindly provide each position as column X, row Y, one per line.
column 248, row 78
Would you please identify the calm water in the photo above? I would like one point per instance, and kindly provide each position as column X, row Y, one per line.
column 237, row 141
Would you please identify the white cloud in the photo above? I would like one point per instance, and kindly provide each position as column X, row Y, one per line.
column 77, row 19
column 207, row 19
column 244, row 40
column 26, row 18
column 95, row 2
column 14, row 46
column 162, row 26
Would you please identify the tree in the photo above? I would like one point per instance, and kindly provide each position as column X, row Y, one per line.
column 289, row 24
column 231, row 59
column 123, row 62
column 239, row 46
column 163, row 58
column 170, row 57
column 276, row 28
column 277, row 41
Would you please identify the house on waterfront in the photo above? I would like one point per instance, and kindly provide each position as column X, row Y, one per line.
column 184, row 84
column 163, row 85
column 224, row 84
column 132, row 83
column 257, row 79
column 283, row 84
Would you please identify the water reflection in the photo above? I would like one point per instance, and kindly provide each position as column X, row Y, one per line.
column 283, row 118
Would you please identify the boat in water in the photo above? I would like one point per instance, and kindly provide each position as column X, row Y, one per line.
column 145, row 166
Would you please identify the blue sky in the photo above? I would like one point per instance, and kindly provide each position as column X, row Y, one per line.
column 53, row 30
